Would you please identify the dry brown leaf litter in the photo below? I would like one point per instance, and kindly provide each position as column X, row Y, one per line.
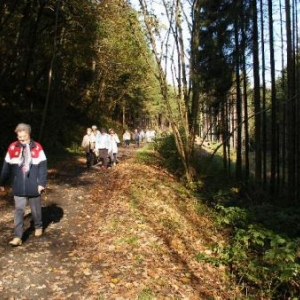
column 125, row 233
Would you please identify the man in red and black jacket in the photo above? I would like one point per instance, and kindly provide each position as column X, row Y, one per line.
column 26, row 164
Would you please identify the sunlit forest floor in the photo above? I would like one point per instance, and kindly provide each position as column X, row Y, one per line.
column 129, row 232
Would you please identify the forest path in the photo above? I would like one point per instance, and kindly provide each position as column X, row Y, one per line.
column 127, row 232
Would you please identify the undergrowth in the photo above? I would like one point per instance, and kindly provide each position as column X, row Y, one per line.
column 263, row 250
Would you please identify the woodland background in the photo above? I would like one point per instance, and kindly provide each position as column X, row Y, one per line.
column 209, row 72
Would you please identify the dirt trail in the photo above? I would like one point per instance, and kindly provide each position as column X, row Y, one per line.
column 108, row 236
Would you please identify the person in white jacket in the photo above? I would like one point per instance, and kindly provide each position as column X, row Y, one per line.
column 113, row 147
column 126, row 138
column 102, row 145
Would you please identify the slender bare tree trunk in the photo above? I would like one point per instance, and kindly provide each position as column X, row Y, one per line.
column 264, row 114
column 257, row 100
column 273, row 101
column 238, row 146
column 291, row 149
column 245, row 106
column 297, row 97
column 224, row 135
column 284, row 107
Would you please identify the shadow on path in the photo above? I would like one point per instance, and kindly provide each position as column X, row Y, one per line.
column 50, row 214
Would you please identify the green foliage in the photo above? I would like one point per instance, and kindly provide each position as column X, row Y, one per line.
column 146, row 294
column 39, row 39
column 166, row 147
column 98, row 59
column 75, row 148
column 216, row 54
column 262, row 251
column 233, row 216
column 124, row 65
column 148, row 156
column 261, row 258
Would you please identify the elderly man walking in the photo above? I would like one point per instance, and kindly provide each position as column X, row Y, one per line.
column 26, row 164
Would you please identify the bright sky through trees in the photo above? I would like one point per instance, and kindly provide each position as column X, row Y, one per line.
column 280, row 49
column 165, row 40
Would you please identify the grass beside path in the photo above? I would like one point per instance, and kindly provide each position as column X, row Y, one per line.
column 154, row 229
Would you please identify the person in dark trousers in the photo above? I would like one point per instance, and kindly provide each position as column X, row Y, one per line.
column 136, row 138
column 102, row 145
column 126, row 138
column 26, row 164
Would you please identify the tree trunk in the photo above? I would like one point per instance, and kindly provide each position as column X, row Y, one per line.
column 291, row 109
column 238, row 121
column 273, row 103
column 245, row 105
column 257, row 105
column 264, row 114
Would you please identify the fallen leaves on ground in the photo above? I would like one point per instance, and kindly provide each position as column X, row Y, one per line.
column 130, row 232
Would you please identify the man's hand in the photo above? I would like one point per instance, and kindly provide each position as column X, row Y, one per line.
column 41, row 189
column 2, row 189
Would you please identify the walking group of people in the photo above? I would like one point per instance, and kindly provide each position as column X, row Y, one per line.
column 101, row 147
column 139, row 136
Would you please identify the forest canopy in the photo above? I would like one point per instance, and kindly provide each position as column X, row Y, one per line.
column 73, row 64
